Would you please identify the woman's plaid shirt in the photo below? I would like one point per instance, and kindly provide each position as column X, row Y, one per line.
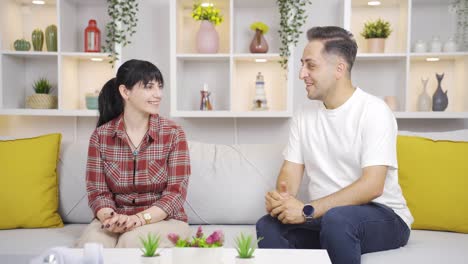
column 157, row 176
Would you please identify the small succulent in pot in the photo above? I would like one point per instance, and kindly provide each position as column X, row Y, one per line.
column 42, row 86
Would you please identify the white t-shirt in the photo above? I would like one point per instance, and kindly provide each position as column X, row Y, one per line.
column 336, row 144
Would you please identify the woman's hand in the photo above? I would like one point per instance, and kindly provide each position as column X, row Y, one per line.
column 120, row 223
column 104, row 213
column 135, row 221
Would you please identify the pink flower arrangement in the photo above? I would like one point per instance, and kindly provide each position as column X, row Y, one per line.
column 216, row 239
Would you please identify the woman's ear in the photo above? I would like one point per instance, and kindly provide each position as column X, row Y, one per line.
column 124, row 92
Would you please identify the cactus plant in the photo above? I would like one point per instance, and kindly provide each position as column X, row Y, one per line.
column 22, row 45
column 37, row 38
column 51, row 38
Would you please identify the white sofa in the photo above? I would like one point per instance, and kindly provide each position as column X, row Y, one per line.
column 226, row 191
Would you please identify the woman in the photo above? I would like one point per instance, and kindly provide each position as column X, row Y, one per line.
column 138, row 163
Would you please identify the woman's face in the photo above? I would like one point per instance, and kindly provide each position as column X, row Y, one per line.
column 145, row 98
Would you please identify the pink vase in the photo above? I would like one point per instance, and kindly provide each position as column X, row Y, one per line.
column 258, row 44
column 207, row 38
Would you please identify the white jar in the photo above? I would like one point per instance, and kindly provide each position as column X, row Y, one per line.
column 436, row 45
column 450, row 45
column 420, row 46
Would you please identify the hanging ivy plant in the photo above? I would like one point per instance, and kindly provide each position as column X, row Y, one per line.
column 122, row 25
column 292, row 18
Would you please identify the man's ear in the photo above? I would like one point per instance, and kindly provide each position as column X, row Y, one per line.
column 124, row 92
column 341, row 69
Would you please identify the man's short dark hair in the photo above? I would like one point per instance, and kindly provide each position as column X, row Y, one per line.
column 337, row 41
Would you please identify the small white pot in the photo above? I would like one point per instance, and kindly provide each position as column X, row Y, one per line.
column 151, row 260
column 197, row 255
column 244, row 260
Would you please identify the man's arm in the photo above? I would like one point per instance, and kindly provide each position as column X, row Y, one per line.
column 291, row 173
column 368, row 187
column 287, row 184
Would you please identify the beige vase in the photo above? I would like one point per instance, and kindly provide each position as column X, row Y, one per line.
column 375, row 45
column 41, row 101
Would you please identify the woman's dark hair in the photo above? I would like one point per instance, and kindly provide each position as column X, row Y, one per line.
column 337, row 41
column 110, row 102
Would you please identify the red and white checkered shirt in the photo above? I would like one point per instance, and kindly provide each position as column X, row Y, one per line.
column 157, row 176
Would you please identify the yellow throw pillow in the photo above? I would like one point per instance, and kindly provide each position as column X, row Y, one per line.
column 434, row 178
column 28, row 180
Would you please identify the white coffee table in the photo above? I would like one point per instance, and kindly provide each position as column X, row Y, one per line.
column 262, row 256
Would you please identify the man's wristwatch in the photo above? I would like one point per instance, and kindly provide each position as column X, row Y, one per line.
column 308, row 213
column 147, row 218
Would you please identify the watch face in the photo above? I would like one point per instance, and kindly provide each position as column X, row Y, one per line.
column 308, row 210
column 147, row 216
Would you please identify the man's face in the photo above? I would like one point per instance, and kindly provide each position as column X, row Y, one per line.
column 317, row 71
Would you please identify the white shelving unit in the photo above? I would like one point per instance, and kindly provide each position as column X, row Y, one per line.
column 398, row 71
column 71, row 71
column 230, row 74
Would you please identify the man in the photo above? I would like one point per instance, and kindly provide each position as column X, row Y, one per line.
column 345, row 141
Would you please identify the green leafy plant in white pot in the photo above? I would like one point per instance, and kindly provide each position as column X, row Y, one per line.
column 42, row 99
column 293, row 16
column 375, row 32
column 150, row 247
column 245, row 249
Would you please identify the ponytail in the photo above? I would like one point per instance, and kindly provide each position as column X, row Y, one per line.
column 110, row 102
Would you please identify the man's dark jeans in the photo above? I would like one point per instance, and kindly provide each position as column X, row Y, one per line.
column 345, row 232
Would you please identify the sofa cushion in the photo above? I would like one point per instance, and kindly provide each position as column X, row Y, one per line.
column 229, row 182
column 433, row 176
column 29, row 182
column 72, row 172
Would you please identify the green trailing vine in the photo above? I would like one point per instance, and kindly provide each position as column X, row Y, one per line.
column 122, row 25
column 292, row 18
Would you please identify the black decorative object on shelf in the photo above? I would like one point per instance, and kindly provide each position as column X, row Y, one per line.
column 439, row 99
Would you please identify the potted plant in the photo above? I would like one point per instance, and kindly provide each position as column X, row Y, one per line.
column 376, row 32
column 245, row 249
column 121, row 27
column 201, row 249
column 292, row 18
column 150, row 246
column 92, row 100
column 207, row 36
column 259, row 44
column 42, row 99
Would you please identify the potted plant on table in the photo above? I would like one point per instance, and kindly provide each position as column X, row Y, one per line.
column 201, row 249
column 150, row 246
column 376, row 32
column 245, row 249
column 259, row 44
column 207, row 36
column 42, row 99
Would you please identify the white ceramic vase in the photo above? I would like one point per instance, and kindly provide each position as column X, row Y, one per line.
column 420, row 46
column 436, row 45
column 450, row 45
column 150, row 260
